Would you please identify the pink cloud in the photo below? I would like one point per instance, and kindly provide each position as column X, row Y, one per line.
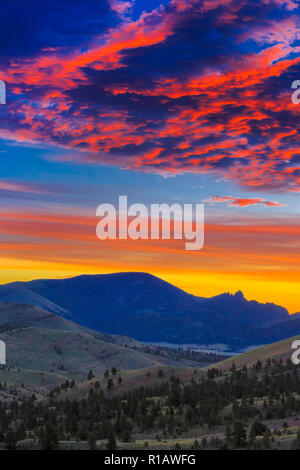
column 243, row 202
column 120, row 7
column 15, row 186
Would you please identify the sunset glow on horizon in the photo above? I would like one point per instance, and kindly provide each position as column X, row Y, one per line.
column 167, row 101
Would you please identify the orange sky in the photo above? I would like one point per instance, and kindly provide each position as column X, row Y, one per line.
column 256, row 258
column 177, row 90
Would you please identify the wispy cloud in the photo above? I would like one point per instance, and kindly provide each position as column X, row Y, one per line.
column 21, row 187
column 34, row 188
column 243, row 202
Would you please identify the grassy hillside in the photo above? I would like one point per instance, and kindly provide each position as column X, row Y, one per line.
column 169, row 404
column 279, row 350
column 133, row 379
column 170, row 408
column 43, row 350
column 23, row 315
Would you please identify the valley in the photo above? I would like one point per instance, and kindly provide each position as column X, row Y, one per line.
column 66, row 385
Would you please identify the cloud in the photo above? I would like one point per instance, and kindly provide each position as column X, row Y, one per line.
column 23, row 187
column 120, row 7
column 243, row 202
column 30, row 27
column 189, row 86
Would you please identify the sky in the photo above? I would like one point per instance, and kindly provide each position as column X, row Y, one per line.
column 164, row 101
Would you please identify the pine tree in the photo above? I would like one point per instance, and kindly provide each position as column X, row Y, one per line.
column 10, row 440
column 48, row 438
column 111, row 443
column 92, row 442
column 239, row 434
column 126, row 436
column 228, row 433
column 266, row 440
column 110, row 384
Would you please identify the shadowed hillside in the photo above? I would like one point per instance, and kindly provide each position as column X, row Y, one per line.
column 44, row 349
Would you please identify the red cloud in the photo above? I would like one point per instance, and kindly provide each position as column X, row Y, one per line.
column 225, row 117
column 243, row 202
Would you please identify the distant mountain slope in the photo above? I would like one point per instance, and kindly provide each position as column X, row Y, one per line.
column 147, row 308
column 295, row 316
column 276, row 332
column 278, row 350
column 17, row 293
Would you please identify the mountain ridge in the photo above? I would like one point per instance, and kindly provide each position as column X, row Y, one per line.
column 149, row 309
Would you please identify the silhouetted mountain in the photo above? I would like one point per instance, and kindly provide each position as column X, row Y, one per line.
column 16, row 293
column 295, row 316
column 149, row 309
column 277, row 332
